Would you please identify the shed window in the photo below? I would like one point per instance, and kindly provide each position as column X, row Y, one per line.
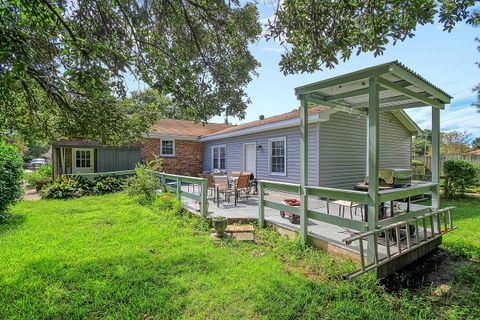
column 219, row 157
column 277, row 156
column 83, row 158
column 167, row 147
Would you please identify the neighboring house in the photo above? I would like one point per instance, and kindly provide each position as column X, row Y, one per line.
column 269, row 147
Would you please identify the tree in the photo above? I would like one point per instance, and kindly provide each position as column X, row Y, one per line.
column 423, row 143
column 476, row 143
column 63, row 62
column 317, row 33
column 454, row 142
column 150, row 103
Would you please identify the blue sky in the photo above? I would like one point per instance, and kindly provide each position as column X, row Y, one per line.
column 445, row 59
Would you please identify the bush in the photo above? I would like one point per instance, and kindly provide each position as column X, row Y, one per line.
column 66, row 187
column 143, row 184
column 11, row 176
column 39, row 178
column 459, row 175
column 417, row 163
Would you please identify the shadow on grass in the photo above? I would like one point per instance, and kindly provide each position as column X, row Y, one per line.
column 11, row 222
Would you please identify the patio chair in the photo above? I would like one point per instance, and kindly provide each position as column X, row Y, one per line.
column 222, row 187
column 242, row 186
column 210, row 182
column 235, row 174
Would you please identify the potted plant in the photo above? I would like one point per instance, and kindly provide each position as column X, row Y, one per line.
column 220, row 225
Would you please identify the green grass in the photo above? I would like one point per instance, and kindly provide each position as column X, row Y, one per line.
column 109, row 257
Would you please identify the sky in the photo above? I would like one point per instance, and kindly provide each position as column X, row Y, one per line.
column 448, row 60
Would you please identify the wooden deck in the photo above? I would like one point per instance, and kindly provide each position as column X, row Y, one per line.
column 323, row 235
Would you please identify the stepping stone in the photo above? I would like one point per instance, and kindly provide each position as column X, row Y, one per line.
column 243, row 236
column 238, row 228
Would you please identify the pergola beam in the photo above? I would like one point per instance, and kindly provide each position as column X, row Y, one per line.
column 410, row 93
column 403, row 106
column 340, row 80
column 335, row 105
column 361, row 92
column 402, row 73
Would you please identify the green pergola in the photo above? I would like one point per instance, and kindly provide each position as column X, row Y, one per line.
column 386, row 87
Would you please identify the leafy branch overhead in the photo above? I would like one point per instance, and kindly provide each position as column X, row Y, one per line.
column 63, row 63
column 319, row 33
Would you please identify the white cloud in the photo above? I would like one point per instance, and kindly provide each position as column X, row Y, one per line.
column 465, row 118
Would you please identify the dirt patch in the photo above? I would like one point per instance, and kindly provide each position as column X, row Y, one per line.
column 435, row 269
column 31, row 194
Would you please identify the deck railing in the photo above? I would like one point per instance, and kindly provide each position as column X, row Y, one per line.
column 327, row 193
column 173, row 183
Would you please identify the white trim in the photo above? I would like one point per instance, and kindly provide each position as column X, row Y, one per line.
column 284, row 139
column 244, row 152
column 76, row 169
column 314, row 118
column 219, row 146
column 174, row 148
column 168, row 136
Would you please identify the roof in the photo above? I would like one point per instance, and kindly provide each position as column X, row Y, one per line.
column 475, row 152
column 185, row 128
column 281, row 117
column 399, row 88
column 78, row 143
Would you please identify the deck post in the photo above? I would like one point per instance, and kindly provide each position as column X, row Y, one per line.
column 179, row 188
column 261, row 207
column 204, row 201
column 303, row 168
column 373, row 165
column 436, row 156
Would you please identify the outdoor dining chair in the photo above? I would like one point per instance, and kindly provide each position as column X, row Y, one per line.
column 222, row 187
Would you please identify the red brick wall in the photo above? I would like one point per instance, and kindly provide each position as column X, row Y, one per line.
column 188, row 159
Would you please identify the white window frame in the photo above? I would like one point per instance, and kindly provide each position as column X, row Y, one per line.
column 213, row 155
column 284, row 173
column 161, row 149
column 82, row 169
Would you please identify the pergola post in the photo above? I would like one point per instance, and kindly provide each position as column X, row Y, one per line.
column 373, row 165
column 303, row 168
column 436, row 156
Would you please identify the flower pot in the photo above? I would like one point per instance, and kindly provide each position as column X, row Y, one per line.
column 220, row 225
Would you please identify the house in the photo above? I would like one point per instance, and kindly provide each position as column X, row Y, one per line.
column 268, row 147
column 176, row 142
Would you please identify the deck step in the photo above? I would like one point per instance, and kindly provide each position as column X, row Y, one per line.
column 239, row 228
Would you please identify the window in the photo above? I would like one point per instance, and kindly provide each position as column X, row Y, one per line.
column 83, row 158
column 167, row 147
column 278, row 157
column 219, row 157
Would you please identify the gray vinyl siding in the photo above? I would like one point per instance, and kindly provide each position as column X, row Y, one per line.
column 234, row 154
column 342, row 161
column 115, row 159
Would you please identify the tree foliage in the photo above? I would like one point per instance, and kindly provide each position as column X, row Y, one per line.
column 11, row 174
column 454, row 142
column 318, row 33
column 62, row 62
column 476, row 143
column 150, row 103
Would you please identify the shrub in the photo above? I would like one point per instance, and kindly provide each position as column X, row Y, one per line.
column 66, row 187
column 143, row 184
column 168, row 202
column 11, row 175
column 39, row 178
column 459, row 175
column 417, row 163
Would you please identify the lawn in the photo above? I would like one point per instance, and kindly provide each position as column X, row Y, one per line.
column 110, row 257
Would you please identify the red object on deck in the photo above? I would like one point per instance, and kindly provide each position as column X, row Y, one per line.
column 292, row 202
